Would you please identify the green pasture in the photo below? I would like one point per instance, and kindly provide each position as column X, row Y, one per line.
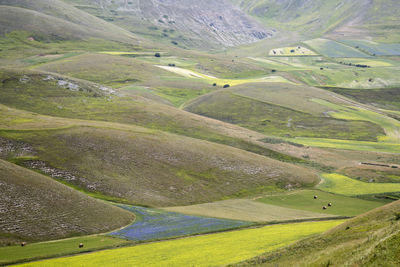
column 15, row 45
column 336, row 75
column 374, row 48
column 175, row 96
column 285, row 63
column 208, row 250
column 221, row 81
column 348, row 144
column 390, row 125
column 57, row 248
column 340, row 184
column 249, row 210
column 294, row 97
column 372, row 62
column 330, row 48
column 44, row 58
column 272, row 119
column 386, row 99
column 304, row 200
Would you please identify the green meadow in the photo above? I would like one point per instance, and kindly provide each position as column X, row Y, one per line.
column 340, row 184
column 348, row 144
column 304, row 200
column 251, row 210
column 57, row 248
column 215, row 249
column 390, row 125
column 334, row 49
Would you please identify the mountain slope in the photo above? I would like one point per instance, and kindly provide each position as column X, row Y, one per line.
column 342, row 18
column 192, row 23
column 56, row 20
column 34, row 207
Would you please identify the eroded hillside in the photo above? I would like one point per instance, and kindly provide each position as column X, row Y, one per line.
column 187, row 22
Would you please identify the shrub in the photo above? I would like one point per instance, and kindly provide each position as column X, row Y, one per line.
column 226, row 86
column 157, row 54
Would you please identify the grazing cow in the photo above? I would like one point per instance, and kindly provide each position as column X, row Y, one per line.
column 324, row 208
column 315, row 197
column 81, row 245
column 23, row 244
column 329, row 204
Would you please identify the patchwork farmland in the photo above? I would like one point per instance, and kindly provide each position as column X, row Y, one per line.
column 199, row 133
column 154, row 224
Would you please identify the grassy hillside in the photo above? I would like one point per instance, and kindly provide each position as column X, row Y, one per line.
column 308, row 17
column 263, row 117
column 367, row 240
column 340, row 19
column 35, row 208
column 43, row 94
column 156, row 168
column 383, row 98
column 56, row 20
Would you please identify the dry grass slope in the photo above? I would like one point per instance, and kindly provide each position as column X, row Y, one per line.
column 33, row 207
column 156, row 168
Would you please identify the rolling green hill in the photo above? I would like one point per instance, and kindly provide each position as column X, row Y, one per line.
column 154, row 168
column 70, row 98
column 36, row 208
column 56, row 20
column 263, row 117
